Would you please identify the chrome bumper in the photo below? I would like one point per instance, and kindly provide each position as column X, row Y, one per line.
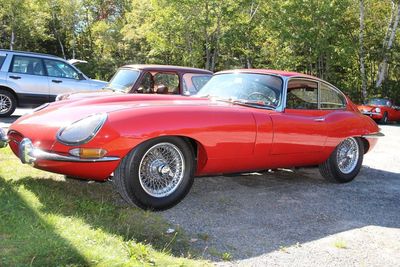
column 28, row 154
column 370, row 113
column 374, row 135
column 3, row 138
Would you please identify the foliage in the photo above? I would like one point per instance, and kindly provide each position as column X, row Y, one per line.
column 313, row 37
column 47, row 220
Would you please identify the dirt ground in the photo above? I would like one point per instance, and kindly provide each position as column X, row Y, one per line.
column 296, row 218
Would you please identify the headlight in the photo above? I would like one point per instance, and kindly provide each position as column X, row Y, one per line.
column 377, row 110
column 82, row 131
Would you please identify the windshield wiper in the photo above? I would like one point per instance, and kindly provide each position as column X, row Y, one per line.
column 248, row 103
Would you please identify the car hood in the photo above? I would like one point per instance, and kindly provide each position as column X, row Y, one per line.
column 62, row 113
column 90, row 94
column 365, row 107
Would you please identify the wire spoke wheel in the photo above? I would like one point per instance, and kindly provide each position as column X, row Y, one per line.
column 161, row 170
column 5, row 104
column 347, row 155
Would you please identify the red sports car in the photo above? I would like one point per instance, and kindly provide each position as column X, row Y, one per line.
column 381, row 110
column 242, row 120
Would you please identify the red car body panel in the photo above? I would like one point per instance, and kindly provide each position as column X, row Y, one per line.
column 229, row 138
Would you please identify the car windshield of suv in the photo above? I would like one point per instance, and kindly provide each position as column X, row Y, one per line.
column 378, row 102
column 123, row 80
column 256, row 90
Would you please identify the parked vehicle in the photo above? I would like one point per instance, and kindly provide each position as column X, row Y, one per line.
column 150, row 79
column 240, row 121
column 381, row 110
column 31, row 79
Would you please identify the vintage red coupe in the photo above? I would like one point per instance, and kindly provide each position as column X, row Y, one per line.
column 381, row 110
column 152, row 146
column 149, row 79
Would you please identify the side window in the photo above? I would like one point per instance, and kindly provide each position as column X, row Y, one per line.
column 330, row 98
column 60, row 69
column 302, row 94
column 27, row 65
column 166, row 83
column 192, row 83
column 2, row 58
column 146, row 84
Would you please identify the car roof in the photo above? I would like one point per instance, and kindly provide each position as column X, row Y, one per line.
column 268, row 71
column 151, row 67
column 29, row 53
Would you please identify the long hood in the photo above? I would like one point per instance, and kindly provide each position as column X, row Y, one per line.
column 62, row 113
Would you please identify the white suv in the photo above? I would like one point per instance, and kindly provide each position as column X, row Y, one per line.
column 31, row 79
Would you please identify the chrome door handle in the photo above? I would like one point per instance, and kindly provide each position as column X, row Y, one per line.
column 319, row 119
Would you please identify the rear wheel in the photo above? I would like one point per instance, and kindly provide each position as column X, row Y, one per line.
column 157, row 174
column 8, row 103
column 345, row 161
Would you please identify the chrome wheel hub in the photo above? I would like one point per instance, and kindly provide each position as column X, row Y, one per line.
column 5, row 104
column 161, row 170
column 347, row 155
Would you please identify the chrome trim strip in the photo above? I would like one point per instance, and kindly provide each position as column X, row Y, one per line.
column 43, row 155
column 370, row 113
column 373, row 135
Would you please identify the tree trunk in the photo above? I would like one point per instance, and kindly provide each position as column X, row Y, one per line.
column 12, row 40
column 383, row 66
column 362, row 59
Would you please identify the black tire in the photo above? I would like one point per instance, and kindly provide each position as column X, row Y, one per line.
column 9, row 97
column 127, row 179
column 331, row 171
column 385, row 118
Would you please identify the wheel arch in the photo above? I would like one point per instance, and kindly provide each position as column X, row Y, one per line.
column 8, row 89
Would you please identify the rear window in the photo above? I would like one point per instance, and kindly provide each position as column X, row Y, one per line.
column 2, row 58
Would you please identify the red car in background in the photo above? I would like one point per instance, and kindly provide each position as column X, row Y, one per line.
column 381, row 110
column 150, row 79
column 152, row 146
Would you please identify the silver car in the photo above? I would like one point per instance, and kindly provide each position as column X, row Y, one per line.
column 31, row 79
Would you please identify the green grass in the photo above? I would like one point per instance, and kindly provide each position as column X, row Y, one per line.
column 47, row 220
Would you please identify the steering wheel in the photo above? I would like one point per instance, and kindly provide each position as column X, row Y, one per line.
column 260, row 96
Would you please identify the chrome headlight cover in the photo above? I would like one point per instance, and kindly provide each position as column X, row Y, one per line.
column 378, row 110
column 82, row 131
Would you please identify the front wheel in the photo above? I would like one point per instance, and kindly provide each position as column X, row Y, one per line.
column 345, row 161
column 157, row 174
column 385, row 118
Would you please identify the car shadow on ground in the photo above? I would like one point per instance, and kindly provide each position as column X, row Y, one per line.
column 245, row 215
column 252, row 215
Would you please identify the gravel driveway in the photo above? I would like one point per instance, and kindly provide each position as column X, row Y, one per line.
column 296, row 218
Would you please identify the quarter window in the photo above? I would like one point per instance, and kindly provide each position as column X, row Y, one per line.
column 27, row 65
column 330, row 98
column 60, row 69
column 302, row 94
column 192, row 82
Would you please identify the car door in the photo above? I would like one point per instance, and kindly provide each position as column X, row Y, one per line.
column 63, row 78
column 27, row 76
column 301, row 127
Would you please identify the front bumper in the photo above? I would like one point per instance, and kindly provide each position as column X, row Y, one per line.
column 29, row 154
column 3, row 138
column 374, row 115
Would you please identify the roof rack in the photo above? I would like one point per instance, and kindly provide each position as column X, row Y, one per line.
column 27, row 52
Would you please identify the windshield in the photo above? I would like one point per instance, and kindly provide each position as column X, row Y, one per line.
column 245, row 88
column 123, row 80
column 378, row 102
